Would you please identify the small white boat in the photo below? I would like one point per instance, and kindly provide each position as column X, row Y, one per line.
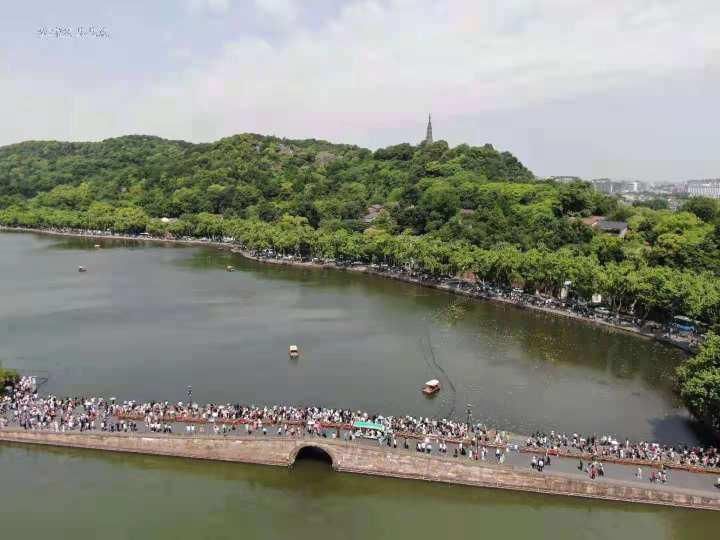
column 431, row 387
column 229, row 268
column 97, row 246
column 82, row 269
column 293, row 351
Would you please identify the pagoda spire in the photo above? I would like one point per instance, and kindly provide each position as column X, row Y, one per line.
column 428, row 135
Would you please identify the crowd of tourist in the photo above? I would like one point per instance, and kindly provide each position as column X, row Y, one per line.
column 24, row 407
column 607, row 446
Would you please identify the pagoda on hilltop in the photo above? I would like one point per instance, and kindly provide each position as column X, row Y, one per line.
column 428, row 134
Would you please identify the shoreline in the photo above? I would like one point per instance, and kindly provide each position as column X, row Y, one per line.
column 366, row 269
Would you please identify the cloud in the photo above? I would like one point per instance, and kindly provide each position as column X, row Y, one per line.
column 281, row 12
column 365, row 71
column 214, row 7
column 384, row 61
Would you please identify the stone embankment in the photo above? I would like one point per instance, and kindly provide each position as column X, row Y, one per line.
column 354, row 458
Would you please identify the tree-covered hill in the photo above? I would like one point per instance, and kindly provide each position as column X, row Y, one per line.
column 243, row 175
column 442, row 210
column 251, row 176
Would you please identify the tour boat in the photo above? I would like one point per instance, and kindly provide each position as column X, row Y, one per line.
column 431, row 387
column 82, row 269
column 293, row 351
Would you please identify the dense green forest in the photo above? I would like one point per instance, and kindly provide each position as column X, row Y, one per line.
column 438, row 209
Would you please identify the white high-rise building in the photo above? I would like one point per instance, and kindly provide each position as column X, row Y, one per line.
column 704, row 188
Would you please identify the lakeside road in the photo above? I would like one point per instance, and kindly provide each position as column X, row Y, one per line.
column 366, row 269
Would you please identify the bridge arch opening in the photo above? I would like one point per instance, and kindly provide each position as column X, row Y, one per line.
column 314, row 454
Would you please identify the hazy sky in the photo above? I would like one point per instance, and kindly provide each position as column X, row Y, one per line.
column 619, row 88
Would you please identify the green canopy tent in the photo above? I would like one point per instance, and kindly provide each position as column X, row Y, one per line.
column 358, row 424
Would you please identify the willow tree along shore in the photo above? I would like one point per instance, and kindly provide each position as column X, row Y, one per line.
column 8, row 377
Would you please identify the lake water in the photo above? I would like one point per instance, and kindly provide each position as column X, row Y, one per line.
column 146, row 321
column 70, row 494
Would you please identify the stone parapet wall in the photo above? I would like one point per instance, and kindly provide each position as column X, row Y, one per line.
column 354, row 458
column 422, row 467
column 261, row 451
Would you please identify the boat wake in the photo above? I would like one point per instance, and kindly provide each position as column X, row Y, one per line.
column 428, row 352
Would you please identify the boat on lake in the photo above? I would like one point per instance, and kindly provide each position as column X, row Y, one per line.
column 229, row 268
column 293, row 351
column 82, row 269
column 431, row 387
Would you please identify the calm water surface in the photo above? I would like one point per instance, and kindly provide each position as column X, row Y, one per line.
column 69, row 494
column 145, row 321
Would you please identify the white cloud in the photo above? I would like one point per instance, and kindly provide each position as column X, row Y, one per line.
column 384, row 61
column 379, row 64
column 281, row 12
column 214, row 7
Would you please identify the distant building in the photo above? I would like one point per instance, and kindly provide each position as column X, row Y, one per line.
column 605, row 185
column 660, row 188
column 674, row 203
column 592, row 221
column 632, row 197
column 372, row 213
column 703, row 188
column 428, row 133
column 678, row 189
column 618, row 228
column 600, row 223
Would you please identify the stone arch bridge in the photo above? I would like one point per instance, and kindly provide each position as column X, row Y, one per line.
column 364, row 459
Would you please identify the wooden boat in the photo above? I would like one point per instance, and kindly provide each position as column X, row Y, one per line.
column 431, row 387
column 82, row 269
column 293, row 351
